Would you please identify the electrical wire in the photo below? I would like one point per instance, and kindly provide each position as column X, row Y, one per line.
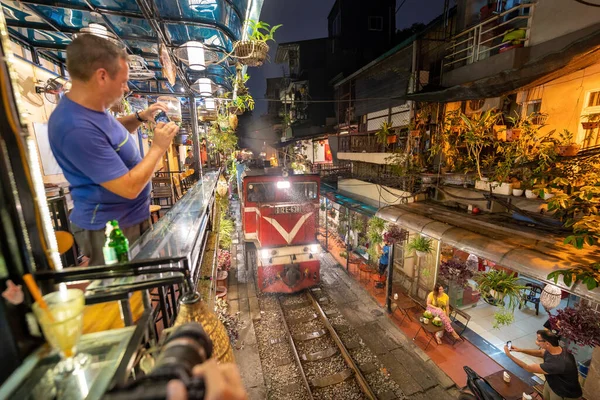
column 399, row 7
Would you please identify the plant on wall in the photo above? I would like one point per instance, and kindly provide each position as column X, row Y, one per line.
column 580, row 324
column 384, row 131
column 445, row 144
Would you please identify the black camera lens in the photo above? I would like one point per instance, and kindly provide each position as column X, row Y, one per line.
column 188, row 346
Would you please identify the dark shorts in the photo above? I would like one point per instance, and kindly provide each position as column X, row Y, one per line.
column 91, row 242
column 382, row 268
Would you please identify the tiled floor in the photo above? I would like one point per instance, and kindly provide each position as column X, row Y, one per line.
column 449, row 357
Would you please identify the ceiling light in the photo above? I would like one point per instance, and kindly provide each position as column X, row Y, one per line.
column 209, row 103
column 203, row 87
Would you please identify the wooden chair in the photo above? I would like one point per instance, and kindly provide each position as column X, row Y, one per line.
column 162, row 194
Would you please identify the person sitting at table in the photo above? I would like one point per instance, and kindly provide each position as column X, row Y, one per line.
column 438, row 303
column 559, row 367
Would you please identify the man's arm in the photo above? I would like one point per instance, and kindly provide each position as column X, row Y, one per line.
column 532, row 368
column 131, row 184
column 532, row 352
column 131, row 123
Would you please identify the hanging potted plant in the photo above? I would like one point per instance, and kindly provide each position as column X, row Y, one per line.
column 421, row 246
column 566, row 145
column 592, row 121
column 455, row 272
column 500, row 288
column 253, row 52
column 394, row 234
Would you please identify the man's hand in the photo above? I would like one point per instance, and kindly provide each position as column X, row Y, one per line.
column 506, row 350
column 13, row 293
column 163, row 134
column 222, row 382
column 149, row 113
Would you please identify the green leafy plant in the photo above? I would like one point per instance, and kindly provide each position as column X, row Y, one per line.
column 226, row 228
column 421, row 244
column 503, row 317
column 384, row 131
column 479, row 134
column 589, row 275
column 261, row 31
column 498, row 287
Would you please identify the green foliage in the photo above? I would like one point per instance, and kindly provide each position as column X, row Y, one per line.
column 384, row 131
column 261, row 31
column 420, row 243
column 375, row 231
column 479, row 134
column 224, row 141
column 226, row 229
column 498, row 286
column 503, row 317
column 589, row 275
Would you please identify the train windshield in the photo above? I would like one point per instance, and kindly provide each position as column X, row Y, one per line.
column 276, row 192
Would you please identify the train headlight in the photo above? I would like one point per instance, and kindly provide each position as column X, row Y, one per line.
column 314, row 248
column 283, row 185
column 265, row 254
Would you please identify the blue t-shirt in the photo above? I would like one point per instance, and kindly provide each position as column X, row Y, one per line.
column 384, row 259
column 92, row 147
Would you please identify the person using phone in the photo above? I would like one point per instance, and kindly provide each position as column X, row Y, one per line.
column 558, row 366
column 108, row 178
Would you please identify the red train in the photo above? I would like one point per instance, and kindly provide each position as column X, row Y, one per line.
column 280, row 217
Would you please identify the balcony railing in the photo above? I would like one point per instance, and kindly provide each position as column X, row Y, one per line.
column 487, row 38
column 365, row 143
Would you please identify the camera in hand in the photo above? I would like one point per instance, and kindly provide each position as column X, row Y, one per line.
column 188, row 346
column 162, row 117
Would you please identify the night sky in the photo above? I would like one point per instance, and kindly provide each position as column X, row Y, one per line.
column 307, row 19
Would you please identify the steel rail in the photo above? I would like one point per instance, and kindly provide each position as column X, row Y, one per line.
column 294, row 350
column 364, row 385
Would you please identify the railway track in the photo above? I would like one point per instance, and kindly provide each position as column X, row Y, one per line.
column 325, row 363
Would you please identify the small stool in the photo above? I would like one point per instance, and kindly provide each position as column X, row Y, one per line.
column 154, row 209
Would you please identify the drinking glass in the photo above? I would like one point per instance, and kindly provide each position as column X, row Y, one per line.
column 62, row 325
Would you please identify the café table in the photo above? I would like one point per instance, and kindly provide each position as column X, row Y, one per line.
column 512, row 390
column 403, row 304
column 430, row 330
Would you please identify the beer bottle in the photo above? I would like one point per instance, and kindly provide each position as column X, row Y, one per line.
column 116, row 247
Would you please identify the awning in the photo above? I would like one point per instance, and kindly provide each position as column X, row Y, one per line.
column 332, row 194
column 533, row 255
column 294, row 139
column 577, row 55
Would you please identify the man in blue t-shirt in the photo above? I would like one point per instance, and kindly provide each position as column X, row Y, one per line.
column 108, row 178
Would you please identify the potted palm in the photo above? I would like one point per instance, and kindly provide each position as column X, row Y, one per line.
column 253, row 52
column 421, row 245
column 385, row 134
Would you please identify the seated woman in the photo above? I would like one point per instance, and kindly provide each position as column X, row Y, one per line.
column 438, row 303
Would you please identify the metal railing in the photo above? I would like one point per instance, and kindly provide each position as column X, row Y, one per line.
column 365, row 143
column 485, row 39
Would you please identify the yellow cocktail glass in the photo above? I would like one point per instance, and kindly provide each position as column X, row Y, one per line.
column 62, row 325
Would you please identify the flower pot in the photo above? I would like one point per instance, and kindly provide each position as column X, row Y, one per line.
column 568, row 151
column 392, row 139
column 513, row 134
column 503, row 188
column 530, row 195
column 482, row 185
column 517, row 192
column 251, row 53
column 590, row 125
column 421, row 254
column 415, row 133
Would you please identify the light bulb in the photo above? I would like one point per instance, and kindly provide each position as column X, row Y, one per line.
column 195, row 53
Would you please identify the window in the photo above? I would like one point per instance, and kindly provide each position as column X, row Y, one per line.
column 375, row 23
column 594, row 99
column 532, row 109
column 589, row 133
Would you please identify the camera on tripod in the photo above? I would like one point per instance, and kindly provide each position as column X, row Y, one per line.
column 185, row 348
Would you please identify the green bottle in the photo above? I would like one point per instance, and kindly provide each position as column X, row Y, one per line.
column 116, row 247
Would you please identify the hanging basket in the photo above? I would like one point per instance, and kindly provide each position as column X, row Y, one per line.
column 251, row 53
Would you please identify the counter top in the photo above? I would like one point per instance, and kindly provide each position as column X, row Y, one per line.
column 175, row 234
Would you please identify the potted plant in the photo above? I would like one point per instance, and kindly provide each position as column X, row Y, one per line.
column 579, row 324
column 500, row 288
column 592, row 121
column 455, row 272
column 479, row 134
column 394, row 234
column 253, row 52
column 421, row 245
column 385, row 135
column 566, row 145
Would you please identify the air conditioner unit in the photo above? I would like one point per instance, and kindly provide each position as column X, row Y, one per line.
column 482, row 105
